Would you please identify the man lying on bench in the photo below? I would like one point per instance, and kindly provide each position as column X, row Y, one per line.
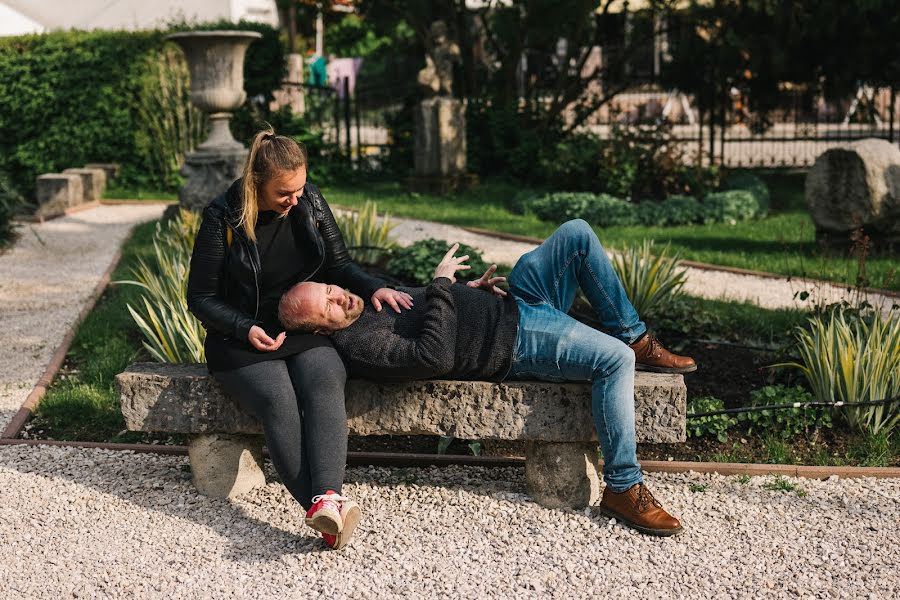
column 457, row 331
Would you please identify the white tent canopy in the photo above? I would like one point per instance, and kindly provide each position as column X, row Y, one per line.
column 28, row 16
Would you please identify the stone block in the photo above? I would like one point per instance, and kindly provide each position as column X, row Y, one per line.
column 93, row 182
column 856, row 185
column 185, row 399
column 225, row 466
column 562, row 475
column 111, row 169
column 56, row 192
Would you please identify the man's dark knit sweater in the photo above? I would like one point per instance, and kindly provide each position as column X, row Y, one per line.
column 452, row 331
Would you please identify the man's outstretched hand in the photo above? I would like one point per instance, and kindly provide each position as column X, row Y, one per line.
column 488, row 283
column 450, row 264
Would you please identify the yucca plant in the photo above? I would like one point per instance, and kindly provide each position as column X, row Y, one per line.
column 853, row 360
column 172, row 334
column 651, row 281
column 367, row 239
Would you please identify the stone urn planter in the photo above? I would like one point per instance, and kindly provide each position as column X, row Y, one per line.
column 216, row 63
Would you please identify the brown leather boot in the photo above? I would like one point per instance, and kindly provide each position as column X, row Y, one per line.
column 650, row 355
column 637, row 508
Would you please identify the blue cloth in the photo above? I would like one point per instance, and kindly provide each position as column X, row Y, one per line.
column 552, row 346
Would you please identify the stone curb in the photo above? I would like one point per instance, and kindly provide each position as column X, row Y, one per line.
column 400, row 459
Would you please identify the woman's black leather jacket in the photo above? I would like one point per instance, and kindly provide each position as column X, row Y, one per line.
column 223, row 286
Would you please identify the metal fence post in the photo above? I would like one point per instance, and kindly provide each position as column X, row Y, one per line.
column 347, row 118
column 359, row 145
column 891, row 114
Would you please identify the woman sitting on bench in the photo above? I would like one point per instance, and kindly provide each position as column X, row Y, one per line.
column 270, row 230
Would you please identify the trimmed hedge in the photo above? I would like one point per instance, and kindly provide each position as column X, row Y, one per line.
column 67, row 100
column 603, row 210
column 70, row 98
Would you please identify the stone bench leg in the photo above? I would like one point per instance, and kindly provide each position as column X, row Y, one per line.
column 562, row 475
column 224, row 466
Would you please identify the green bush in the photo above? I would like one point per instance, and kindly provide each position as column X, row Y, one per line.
column 729, row 207
column 745, row 180
column 713, row 425
column 675, row 210
column 68, row 99
column 417, row 261
column 598, row 210
column 848, row 359
column 787, row 422
column 651, row 282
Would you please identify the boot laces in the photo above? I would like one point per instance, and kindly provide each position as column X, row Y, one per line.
column 645, row 497
column 654, row 347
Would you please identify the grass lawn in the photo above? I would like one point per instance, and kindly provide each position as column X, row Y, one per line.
column 82, row 404
column 782, row 243
column 120, row 193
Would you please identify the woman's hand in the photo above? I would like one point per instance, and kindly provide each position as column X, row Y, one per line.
column 262, row 342
column 450, row 264
column 488, row 283
column 393, row 298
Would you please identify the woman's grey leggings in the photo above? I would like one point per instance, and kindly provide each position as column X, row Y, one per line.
column 300, row 403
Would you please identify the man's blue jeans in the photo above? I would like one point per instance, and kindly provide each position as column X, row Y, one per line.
column 552, row 346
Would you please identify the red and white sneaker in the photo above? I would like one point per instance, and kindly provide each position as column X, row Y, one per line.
column 325, row 513
column 350, row 515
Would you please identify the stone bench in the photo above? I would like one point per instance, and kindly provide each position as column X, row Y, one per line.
column 553, row 419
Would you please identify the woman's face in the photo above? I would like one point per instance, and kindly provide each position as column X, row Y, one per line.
column 282, row 192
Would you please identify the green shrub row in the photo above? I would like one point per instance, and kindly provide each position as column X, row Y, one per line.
column 737, row 203
column 74, row 97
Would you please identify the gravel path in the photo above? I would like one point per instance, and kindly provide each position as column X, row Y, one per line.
column 95, row 524
column 767, row 292
column 45, row 279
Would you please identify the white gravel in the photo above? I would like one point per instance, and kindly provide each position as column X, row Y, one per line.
column 767, row 292
column 45, row 279
column 97, row 524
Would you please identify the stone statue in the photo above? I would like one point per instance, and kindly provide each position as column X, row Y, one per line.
column 437, row 77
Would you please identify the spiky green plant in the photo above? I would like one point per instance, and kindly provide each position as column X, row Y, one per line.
column 651, row 281
column 367, row 239
column 853, row 360
column 172, row 334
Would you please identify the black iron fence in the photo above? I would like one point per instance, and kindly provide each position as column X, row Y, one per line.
column 728, row 133
column 357, row 121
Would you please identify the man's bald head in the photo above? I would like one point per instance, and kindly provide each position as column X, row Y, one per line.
column 318, row 307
